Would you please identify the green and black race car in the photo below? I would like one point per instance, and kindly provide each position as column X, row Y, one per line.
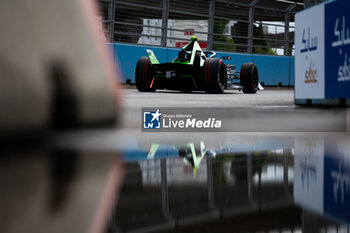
column 194, row 70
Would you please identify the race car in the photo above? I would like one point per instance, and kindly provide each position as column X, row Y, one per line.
column 191, row 153
column 194, row 70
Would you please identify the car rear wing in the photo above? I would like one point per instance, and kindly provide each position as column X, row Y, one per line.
column 152, row 57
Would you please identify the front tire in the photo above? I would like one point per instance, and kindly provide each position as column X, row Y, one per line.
column 215, row 75
column 249, row 78
column 144, row 75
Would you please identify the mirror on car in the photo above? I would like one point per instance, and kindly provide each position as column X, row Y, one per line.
column 226, row 58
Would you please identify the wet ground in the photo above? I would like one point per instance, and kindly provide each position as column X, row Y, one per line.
column 288, row 173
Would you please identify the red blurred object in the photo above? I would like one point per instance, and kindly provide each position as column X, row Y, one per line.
column 182, row 44
column 189, row 32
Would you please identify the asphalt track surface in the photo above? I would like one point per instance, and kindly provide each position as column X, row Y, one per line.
column 268, row 116
column 133, row 101
column 265, row 111
column 231, row 99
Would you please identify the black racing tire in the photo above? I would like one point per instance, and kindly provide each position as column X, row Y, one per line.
column 144, row 75
column 249, row 78
column 185, row 90
column 214, row 75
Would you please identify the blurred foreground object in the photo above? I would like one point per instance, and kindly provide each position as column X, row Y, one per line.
column 58, row 191
column 55, row 70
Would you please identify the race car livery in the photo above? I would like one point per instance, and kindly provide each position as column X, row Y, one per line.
column 194, row 70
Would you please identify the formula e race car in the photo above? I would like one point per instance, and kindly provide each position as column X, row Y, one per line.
column 194, row 70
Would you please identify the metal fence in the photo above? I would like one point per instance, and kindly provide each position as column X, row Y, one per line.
column 246, row 26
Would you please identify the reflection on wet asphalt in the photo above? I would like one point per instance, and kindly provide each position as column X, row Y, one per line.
column 123, row 180
column 298, row 185
column 227, row 186
column 197, row 183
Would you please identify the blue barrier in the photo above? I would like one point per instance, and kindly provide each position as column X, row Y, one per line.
column 236, row 58
column 126, row 57
column 273, row 70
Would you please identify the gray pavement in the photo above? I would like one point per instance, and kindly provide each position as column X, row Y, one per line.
column 265, row 111
column 267, row 98
column 269, row 117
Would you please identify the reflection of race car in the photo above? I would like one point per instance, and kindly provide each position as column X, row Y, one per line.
column 194, row 69
column 190, row 153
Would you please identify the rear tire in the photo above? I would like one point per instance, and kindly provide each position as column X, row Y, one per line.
column 185, row 90
column 249, row 78
column 214, row 75
column 144, row 75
